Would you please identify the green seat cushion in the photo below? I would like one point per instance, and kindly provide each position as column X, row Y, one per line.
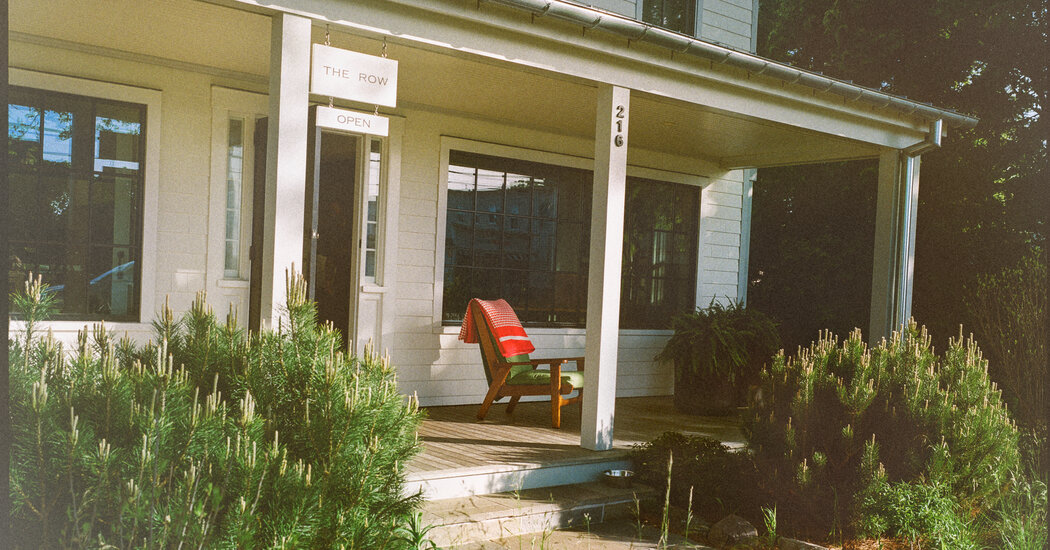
column 526, row 376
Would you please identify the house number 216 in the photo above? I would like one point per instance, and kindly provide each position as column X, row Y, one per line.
column 618, row 139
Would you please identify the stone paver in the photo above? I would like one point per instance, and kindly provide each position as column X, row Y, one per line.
column 617, row 535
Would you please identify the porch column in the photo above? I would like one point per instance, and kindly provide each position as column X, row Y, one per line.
column 603, row 285
column 285, row 158
column 894, row 263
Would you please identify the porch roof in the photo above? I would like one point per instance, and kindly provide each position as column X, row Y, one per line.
column 537, row 63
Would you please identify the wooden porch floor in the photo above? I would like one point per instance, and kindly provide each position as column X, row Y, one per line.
column 453, row 439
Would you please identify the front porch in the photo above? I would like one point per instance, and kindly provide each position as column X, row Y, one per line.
column 463, row 456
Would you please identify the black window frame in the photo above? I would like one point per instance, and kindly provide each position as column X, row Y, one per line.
column 676, row 273
column 566, row 301
column 79, row 252
column 655, row 12
column 680, row 284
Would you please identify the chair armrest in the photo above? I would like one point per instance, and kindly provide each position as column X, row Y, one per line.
column 553, row 361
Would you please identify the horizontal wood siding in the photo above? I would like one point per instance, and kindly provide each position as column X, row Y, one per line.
column 720, row 219
column 728, row 22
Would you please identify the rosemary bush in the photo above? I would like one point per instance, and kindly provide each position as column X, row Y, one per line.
column 842, row 429
column 211, row 438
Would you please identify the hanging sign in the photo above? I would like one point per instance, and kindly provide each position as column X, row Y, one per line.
column 355, row 76
column 352, row 121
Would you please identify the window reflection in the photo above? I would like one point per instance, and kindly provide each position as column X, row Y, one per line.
column 74, row 219
column 503, row 233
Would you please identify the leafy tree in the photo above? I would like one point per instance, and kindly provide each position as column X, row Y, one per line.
column 983, row 196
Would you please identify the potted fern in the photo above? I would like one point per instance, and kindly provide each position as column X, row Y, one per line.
column 718, row 352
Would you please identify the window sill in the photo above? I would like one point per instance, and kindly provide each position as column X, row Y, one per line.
column 232, row 283
column 568, row 331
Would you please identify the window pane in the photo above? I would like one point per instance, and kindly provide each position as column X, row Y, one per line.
column 461, row 187
column 111, row 289
column 545, row 199
column 117, row 130
column 659, row 256
column 541, row 297
column 58, row 138
column 21, row 210
column 507, row 222
column 571, row 243
column 64, row 271
column 516, row 243
column 80, row 231
column 234, row 190
column 513, row 289
column 459, row 238
column 486, row 284
column 487, row 236
column 519, row 195
column 113, row 210
column 23, row 135
column 63, row 215
column 541, row 249
column 458, row 291
column 490, row 191
column 676, row 15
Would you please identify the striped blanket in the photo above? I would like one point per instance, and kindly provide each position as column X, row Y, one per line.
column 504, row 324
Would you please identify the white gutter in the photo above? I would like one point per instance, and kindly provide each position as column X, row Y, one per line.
column 632, row 29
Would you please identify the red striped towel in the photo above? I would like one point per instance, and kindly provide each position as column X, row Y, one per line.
column 504, row 324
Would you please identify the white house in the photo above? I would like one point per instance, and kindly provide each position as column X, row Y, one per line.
column 584, row 163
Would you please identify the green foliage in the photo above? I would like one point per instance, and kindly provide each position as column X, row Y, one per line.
column 211, row 438
column 720, row 343
column 1010, row 315
column 707, row 477
column 983, row 194
column 841, row 426
column 1020, row 517
column 924, row 514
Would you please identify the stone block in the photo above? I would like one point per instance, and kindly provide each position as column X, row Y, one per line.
column 732, row 531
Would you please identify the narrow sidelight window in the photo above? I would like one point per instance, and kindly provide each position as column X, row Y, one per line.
column 234, row 193
column 375, row 164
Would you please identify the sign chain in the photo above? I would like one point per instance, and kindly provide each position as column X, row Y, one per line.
column 328, row 42
column 383, row 55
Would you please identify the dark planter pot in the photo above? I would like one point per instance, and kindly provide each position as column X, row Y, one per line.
column 705, row 395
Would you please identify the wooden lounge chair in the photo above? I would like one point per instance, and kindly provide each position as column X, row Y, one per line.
column 518, row 375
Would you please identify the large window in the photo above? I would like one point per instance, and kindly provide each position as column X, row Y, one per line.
column 75, row 176
column 659, row 253
column 675, row 15
column 517, row 230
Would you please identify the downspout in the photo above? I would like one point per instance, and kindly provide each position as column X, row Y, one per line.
column 908, row 207
column 932, row 141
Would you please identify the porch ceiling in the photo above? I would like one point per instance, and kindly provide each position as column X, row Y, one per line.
column 502, row 91
column 444, row 78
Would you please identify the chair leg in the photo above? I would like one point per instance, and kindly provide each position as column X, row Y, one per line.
column 513, row 403
column 489, row 398
column 556, row 411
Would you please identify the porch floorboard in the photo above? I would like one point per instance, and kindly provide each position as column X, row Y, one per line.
column 456, row 443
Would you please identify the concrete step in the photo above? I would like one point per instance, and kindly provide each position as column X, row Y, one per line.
column 479, row 518
column 499, row 478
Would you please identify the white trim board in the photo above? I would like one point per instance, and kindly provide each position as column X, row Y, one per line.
column 151, row 173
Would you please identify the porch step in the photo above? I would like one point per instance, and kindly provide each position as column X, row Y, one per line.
column 480, row 518
column 499, row 478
